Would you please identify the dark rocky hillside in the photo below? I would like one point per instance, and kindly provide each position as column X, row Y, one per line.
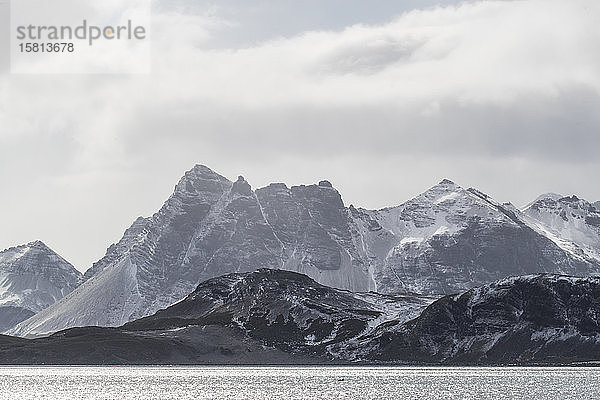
column 263, row 317
column 546, row 319
column 281, row 317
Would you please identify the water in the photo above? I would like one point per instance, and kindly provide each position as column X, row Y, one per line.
column 297, row 383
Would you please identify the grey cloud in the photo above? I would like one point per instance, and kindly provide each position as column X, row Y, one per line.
column 255, row 22
column 382, row 122
column 370, row 57
column 561, row 129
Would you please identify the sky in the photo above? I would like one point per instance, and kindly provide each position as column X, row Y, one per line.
column 382, row 98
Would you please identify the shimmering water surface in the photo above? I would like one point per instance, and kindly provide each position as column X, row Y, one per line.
column 297, row 383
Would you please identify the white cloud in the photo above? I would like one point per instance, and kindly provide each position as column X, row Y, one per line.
column 485, row 51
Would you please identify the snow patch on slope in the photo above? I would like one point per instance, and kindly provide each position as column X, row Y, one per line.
column 572, row 223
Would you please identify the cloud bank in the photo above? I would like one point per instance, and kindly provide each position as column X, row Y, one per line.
column 501, row 95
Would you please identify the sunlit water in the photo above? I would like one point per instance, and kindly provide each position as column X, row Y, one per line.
column 297, row 383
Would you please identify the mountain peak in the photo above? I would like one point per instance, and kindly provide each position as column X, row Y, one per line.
column 442, row 189
column 554, row 200
column 325, row 183
column 544, row 198
column 446, row 185
column 38, row 244
column 550, row 195
column 200, row 179
column 20, row 250
column 570, row 199
column 36, row 250
column 33, row 278
column 446, row 182
column 202, row 168
column 242, row 187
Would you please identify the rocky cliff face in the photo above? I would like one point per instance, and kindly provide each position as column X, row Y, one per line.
column 315, row 233
column 445, row 240
column 32, row 277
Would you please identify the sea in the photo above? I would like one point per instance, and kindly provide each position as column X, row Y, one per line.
column 82, row 382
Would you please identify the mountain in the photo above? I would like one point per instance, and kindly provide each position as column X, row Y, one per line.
column 32, row 277
column 281, row 317
column 553, row 196
column 316, row 235
column 261, row 317
column 284, row 309
column 538, row 319
column 209, row 227
column 572, row 223
column 450, row 239
column 446, row 240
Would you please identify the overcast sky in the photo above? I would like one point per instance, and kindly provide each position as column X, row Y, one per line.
column 382, row 98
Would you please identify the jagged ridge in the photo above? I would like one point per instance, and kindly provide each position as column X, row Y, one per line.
column 445, row 240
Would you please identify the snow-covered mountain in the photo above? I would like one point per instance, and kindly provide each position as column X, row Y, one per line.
column 32, row 277
column 572, row 223
column 449, row 239
column 445, row 240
